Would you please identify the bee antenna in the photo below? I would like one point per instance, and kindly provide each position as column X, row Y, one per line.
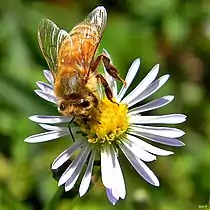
column 70, row 131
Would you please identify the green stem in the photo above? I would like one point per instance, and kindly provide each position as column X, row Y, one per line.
column 52, row 204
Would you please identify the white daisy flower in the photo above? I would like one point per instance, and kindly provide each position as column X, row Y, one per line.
column 118, row 127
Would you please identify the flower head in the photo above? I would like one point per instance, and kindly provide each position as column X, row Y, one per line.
column 117, row 126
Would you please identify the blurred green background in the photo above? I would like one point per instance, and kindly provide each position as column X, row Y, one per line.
column 174, row 33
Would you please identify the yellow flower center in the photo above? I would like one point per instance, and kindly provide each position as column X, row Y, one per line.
column 110, row 122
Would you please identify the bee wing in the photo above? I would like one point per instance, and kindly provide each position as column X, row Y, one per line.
column 84, row 40
column 50, row 38
column 97, row 19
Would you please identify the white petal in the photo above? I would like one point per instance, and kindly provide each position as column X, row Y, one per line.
column 159, row 139
column 111, row 80
column 111, row 197
column 46, row 136
column 74, row 176
column 129, row 78
column 66, row 154
column 118, row 180
column 54, row 128
column 149, row 91
column 138, row 151
column 114, row 191
column 106, row 166
column 49, row 76
column 162, row 119
column 46, row 96
column 71, row 169
column 148, row 147
column 160, row 131
column 142, row 85
column 72, row 180
column 155, row 104
column 45, row 87
column 85, row 183
column 140, row 167
column 46, row 119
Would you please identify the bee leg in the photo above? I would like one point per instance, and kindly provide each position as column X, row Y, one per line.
column 94, row 119
column 107, row 89
column 110, row 68
column 70, row 131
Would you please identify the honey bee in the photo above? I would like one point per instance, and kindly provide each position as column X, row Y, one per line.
column 71, row 59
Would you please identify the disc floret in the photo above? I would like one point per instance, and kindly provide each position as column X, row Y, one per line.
column 110, row 122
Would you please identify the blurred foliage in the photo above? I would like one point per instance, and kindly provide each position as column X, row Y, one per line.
column 174, row 33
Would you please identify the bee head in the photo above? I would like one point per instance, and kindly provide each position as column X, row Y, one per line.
column 77, row 107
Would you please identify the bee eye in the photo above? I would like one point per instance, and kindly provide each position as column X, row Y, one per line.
column 62, row 107
column 85, row 104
